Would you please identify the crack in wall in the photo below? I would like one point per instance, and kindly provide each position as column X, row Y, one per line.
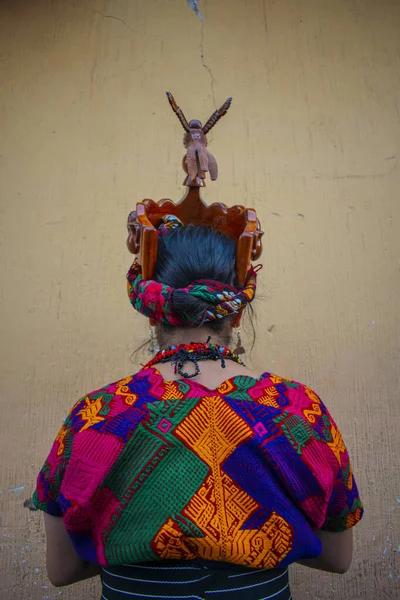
column 265, row 21
column 124, row 73
column 115, row 19
column 193, row 5
column 127, row 26
column 205, row 65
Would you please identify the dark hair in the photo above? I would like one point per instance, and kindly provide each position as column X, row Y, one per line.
column 189, row 253
column 193, row 252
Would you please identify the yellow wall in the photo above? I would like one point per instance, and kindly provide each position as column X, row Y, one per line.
column 311, row 141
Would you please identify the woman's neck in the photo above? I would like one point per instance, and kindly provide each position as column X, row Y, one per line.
column 211, row 372
column 184, row 336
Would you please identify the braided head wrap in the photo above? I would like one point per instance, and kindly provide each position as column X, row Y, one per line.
column 155, row 300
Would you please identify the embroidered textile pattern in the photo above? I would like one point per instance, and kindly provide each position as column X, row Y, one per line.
column 146, row 469
column 154, row 300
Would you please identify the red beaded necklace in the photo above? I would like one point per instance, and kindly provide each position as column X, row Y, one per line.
column 193, row 353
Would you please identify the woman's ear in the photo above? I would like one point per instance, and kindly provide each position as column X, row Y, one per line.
column 152, row 322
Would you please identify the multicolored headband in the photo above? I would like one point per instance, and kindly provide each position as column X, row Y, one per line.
column 155, row 300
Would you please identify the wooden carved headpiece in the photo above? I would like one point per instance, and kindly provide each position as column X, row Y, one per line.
column 239, row 223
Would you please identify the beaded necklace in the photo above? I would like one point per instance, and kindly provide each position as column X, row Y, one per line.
column 193, row 353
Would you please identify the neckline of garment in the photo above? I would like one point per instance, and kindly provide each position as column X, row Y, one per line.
column 256, row 380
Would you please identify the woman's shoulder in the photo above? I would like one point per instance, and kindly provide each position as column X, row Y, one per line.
column 271, row 390
column 277, row 407
column 97, row 407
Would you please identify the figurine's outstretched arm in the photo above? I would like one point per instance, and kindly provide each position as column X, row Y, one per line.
column 215, row 117
column 178, row 111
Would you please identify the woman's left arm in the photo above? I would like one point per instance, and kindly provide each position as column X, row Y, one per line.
column 64, row 565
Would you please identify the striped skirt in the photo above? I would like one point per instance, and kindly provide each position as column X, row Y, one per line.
column 196, row 580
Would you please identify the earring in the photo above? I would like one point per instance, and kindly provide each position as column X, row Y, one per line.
column 239, row 348
column 153, row 347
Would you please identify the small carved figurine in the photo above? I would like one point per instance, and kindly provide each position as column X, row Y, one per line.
column 198, row 159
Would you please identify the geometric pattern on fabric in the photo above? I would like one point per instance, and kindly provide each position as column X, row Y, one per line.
column 146, row 470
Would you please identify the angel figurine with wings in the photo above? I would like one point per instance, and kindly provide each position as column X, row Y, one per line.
column 198, row 159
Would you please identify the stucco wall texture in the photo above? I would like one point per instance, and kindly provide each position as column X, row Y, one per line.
column 311, row 141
